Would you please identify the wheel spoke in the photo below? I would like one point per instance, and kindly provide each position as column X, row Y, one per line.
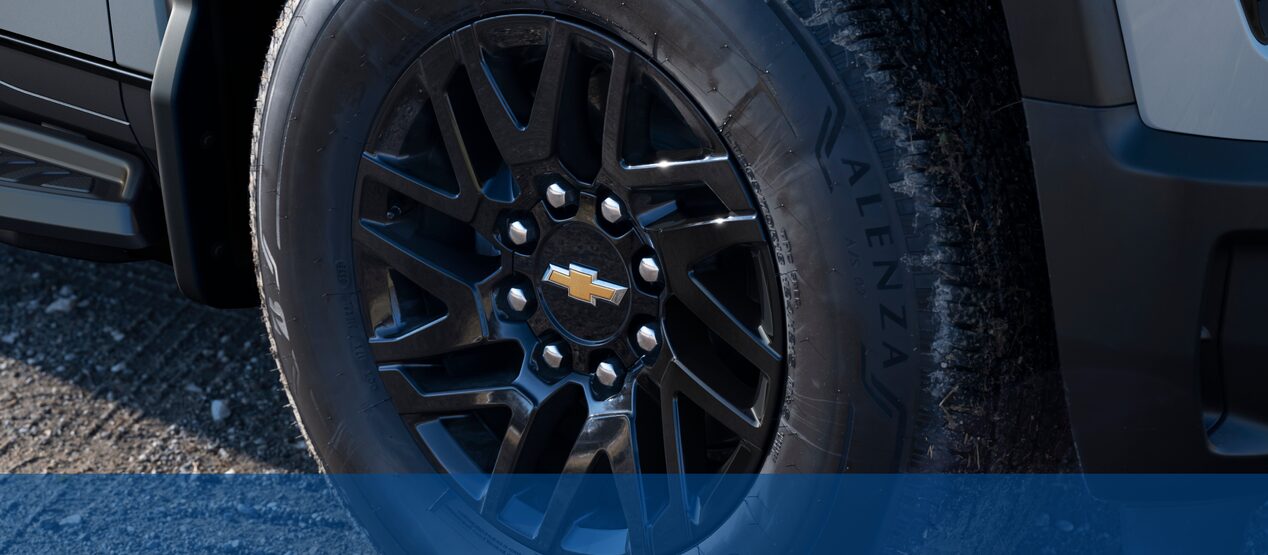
column 410, row 399
column 541, row 124
column 685, row 245
column 502, row 479
column 461, row 207
column 716, row 171
column 674, row 521
column 611, row 436
column 437, row 69
column 532, row 140
column 614, row 113
column 730, row 329
column 464, row 323
column 739, row 420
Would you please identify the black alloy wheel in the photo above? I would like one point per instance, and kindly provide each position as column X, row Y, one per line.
column 506, row 247
column 561, row 271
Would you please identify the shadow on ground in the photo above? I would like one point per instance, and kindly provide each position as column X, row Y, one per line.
column 107, row 368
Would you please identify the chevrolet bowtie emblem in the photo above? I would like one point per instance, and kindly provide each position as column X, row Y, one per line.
column 582, row 285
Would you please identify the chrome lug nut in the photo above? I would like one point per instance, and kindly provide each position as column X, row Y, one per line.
column 557, row 196
column 649, row 270
column 520, row 232
column 611, row 210
column 646, row 338
column 553, row 356
column 608, row 372
column 517, row 299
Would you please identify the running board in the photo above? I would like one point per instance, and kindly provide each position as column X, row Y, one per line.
column 58, row 186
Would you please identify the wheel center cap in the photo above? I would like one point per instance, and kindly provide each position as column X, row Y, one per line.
column 583, row 282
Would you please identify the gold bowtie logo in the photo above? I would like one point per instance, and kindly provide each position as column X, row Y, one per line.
column 582, row 285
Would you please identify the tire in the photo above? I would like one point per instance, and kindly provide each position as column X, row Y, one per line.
column 883, row 145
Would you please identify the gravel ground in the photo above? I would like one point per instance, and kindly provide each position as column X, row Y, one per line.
column 107, row 368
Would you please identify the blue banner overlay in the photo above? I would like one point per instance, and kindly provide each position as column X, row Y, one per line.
column 731, row 514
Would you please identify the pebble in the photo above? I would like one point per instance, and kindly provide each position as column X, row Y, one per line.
column 219, row 410
column 60, row 305
column 71, row 520
column 10, row 338
column 246, row 510
column 120, row 367
column 1065, row 526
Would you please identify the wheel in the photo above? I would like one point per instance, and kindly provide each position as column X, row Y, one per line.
column 648, row 238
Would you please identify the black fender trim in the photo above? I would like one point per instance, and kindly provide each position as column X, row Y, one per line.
column 203, row 97
column 1069, row 51
column 1134, row 220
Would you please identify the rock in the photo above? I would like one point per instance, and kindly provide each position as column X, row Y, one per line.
column 116, row 335
column 1065, row 526
column 193, row 388
column 60, row 305
column 120, row 367
column 10, row 338
column 219, row 410
column 246, row 510
column 65, row 291
column 71, row 520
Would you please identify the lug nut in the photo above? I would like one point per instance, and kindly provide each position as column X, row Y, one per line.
column 553, row 356
column 608, row 372
column 649, row 270
column 557, row 196
column 611, row 209
column 517, row 299
column 646, row 338
column 520, row 232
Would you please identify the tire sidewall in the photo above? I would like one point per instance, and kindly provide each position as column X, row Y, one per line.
column 757, row 75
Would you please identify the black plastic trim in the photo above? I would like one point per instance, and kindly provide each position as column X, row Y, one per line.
column 203, row 100
column 1069, row 51
column 1132, row 218
column 102, row 215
